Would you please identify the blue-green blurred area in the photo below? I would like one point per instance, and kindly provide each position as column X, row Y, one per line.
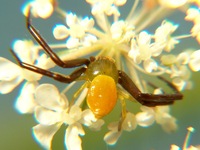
column 15, row 129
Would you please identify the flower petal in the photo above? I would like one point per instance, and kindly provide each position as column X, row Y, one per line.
column 129, row 122
column 168, row 123
column 42, row 8
column 72, row 139
column 44, row 134
column 60, row 32
column 74, row 115
column 163, row 118
column 194, row 63
column 88, row 119
column 72, row 42
column 8, row 86
column 25, row 50
column 8, row 70
column 146, row 117
column 48, row 96
column 47, row 117
column 112, row 137
column 150, row 65
column 26, row 102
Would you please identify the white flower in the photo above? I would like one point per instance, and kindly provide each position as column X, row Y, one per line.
column 121, row 31
column 60, row 32
column 40, row 8
column 194, row 62
column 72, row 139
column 52, row 111
column 77, row 30
column 106, row 6
column 160, row 114
column 163, row 35
column 146, row 117
column 162, row 117
column 11, row 74
column 192, row 14
column 141, row 48
column 25, row 102
column 128, row 124
column 89, row 120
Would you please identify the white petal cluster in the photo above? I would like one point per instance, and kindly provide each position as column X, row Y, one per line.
column 109, row 7
column 193, row 14
column 121, row 31
column 53, row 110
column 76, row 31
column 13, row 74
column 128, row 124
column 143, row 48
column 163, row 35
column 40, row 8
column 159, row 114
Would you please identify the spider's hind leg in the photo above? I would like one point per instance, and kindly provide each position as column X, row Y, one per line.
column 148, row 99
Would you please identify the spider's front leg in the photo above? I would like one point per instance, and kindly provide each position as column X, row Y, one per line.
column 64, row 64
column 56, row 76
column 147, row 98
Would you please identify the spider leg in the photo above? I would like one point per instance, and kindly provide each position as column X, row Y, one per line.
column 59, row 77
column 48, row 50
column 147, row 98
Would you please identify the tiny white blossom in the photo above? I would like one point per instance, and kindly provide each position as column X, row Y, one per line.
column 105, row 6
column 141, row 48
column 40, row 8
column 60, row 32
column 192, row 14
column 160, row 114
column 150, row 65
column 162, row 117
column 128, row 124
column 146, row 117
column 9, row 75
column 13, row 75
column 194, row 62
column 163, row 35
column 25, row 102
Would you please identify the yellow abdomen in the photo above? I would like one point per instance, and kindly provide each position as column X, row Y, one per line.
column 102, row 95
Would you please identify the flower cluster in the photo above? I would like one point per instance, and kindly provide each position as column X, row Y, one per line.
column 104, row 33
